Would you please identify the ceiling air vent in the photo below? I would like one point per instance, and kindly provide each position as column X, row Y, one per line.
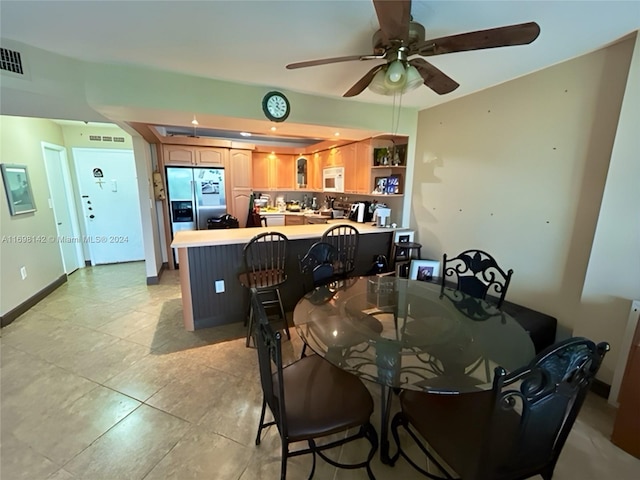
column 10, row 61
column 95, row 138
column 118, row 139
column 107, row 139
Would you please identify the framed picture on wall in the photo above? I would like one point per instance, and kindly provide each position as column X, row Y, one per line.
column 424, row 270
column 18, row 187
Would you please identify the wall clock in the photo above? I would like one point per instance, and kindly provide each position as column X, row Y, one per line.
column 276, row 106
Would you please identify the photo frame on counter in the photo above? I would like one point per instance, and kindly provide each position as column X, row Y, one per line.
column 424, row 270
column 18, row 188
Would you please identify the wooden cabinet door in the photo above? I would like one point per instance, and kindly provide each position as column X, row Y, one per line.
column 178, row 155
column 212, row 156
column 261, row 166
column 314, row 171
column 285, row 173
column 348, row 158
column 363, row 163
column 239, row 205
column 240, row 169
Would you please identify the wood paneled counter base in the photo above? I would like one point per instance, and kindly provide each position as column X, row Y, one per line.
column 208, row 256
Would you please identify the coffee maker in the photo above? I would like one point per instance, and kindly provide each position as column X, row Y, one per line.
column 360, row 212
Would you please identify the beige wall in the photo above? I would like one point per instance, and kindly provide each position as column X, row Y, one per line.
column 519, row 170
column 21, row 144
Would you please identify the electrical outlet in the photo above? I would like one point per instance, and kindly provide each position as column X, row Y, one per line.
column 219, row 286
column 23, row 272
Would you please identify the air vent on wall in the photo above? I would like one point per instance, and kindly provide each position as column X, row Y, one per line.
column 118, row 139
column 95, row 138
column 10, row 61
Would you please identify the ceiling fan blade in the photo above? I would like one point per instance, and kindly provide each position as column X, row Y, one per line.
column 393, row 17
column 435, row 79
column 325, row 61
column 363, row 83
column 508, row 36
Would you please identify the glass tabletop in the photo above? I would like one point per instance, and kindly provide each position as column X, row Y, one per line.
column 409, row 334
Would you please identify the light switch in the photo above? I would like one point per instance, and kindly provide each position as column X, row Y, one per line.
column 219, row 286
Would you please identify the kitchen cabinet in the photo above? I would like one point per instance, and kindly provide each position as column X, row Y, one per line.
column 178, row 155
column 238, row 177
column 273, row 172
column 192, row 155
column 351, row 173
column 314, row 169
column 294, row 220
column 211, row 156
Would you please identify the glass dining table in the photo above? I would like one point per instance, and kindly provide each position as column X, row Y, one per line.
column 409, row 334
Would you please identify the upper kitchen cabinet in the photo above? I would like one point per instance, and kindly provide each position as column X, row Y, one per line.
column 273, row 171
column 211, row 156
column 178, row 155
column 285, row 173
column 192, row 155
column 302, row 173
column 240, row 169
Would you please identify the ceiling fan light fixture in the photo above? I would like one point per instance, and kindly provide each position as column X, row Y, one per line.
column 395, row 73
column 414, row 79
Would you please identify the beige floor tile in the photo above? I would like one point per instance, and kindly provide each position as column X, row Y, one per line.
column 63, row 433
column 107, row 327
column 21, row 462
column 130, row 449
column 200, row 455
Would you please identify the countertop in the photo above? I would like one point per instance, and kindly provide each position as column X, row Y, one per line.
column 204, row 238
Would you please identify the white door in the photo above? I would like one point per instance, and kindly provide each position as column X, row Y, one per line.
column 64, row 210
column 110, row 203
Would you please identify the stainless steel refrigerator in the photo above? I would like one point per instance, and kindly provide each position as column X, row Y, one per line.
column 195, row 196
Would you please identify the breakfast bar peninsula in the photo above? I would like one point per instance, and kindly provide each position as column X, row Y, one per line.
column 210, row 261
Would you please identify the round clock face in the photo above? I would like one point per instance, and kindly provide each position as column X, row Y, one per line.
column 275, row 106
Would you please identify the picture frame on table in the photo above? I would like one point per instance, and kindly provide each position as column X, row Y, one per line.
column 18, row 189
column 403, row 236
column 424, row 270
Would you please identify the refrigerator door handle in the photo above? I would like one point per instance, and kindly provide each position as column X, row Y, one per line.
column 196, row 210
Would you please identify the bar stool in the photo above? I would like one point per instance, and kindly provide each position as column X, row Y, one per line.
column 264, row 259
column 403, row 253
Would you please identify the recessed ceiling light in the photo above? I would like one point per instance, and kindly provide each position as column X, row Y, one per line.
column 273, row 129
column 245, row 134
column 337, row 134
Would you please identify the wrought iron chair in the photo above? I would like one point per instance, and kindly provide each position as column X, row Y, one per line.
column 476, row 273
column 513, row 431
column 310, row 399
column 320, row 264
column 264, row 270
column 345, row 239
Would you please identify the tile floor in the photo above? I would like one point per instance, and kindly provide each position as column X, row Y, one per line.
column 101, row 381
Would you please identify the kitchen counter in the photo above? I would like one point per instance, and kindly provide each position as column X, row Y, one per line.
column 210, row 261
column 201, row 238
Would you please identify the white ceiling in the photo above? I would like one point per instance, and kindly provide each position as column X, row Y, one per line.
column 251, row 41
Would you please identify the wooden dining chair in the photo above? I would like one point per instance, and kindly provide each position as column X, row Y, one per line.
column 476, row 273
column 345, row 239
column 264, row 270
column 513, row 431
column 310, row 399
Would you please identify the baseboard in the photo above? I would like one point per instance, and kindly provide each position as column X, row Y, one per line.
column 11, row 315
column 155, row 280
column 600, row 388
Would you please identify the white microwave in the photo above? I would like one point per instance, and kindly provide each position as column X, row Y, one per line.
column 333, row 179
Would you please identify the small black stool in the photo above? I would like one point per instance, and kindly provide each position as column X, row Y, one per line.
column 402, row 254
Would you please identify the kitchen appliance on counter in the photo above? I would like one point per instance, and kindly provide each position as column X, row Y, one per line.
column 293, row 206
column 360, row 212
column 381, row 216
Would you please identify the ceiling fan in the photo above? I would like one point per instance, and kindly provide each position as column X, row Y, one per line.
column 400, row 37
